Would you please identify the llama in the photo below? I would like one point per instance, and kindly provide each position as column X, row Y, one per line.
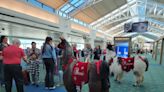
column 76, row 73
column 139, row 64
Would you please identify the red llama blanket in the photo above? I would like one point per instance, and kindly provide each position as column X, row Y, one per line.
column 80, row 72
column 127, row 64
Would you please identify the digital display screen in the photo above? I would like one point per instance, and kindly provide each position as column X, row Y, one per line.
column 140, row 27
column 122, row 49
column 136, row 27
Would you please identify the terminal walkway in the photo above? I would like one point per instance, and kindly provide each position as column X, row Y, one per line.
column 154, row 82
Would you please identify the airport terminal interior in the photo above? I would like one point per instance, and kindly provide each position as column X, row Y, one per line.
column 126, row 35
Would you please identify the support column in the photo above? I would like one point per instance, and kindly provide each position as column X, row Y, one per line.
column 162, row 51
column 10, row 35
column 156, row 50
column 92, row 37
column 65, row 27
column 104, row 43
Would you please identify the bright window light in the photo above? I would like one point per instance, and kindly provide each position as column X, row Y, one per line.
column 79, row 3
column 68, row 10
column 65, row 7
column 72, row 5
column 36, row 3
column 47, row 8
column 73, row 1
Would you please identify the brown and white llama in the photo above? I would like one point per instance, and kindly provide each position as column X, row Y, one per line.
column 77, row 73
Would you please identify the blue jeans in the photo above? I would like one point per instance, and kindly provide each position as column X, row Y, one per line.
column 1, row 72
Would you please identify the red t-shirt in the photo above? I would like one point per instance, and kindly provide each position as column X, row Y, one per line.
column 12, row 55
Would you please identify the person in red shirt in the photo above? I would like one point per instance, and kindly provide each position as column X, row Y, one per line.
column 12, row 56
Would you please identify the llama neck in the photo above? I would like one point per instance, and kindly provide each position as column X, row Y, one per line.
column 67, row 63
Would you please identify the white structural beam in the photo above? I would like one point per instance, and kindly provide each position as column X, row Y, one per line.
column 121, row 25
column 116, row 34
column 154, row 34
column 121, row 13
column 88, row 3
column 156, row 24
column 155, row 10
column 105, row 33
column 143, row 37
column 151, row 27
column 156, row 30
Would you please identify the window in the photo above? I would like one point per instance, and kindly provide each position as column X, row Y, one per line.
column 72, row 5
column 69, row 10
column 36, row 3
column 65, row 7
column 47, row 8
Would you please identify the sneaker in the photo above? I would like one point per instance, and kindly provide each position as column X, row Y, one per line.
column 52, row 87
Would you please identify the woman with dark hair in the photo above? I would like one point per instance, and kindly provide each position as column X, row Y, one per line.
column 49, row 59
column 3, row 44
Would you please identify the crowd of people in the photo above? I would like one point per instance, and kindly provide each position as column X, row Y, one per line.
column 11, row 56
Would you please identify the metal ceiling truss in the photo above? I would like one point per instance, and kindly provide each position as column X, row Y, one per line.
column 119, row 26
column 127, row 12
column 156, row 30
column 62, row 5
column 78, row 9
column 156, row 25
column 88, row 4
column 123, row 13
column 154, row 9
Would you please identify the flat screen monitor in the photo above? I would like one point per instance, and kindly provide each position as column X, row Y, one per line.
column 140, row 27
column 136, row 27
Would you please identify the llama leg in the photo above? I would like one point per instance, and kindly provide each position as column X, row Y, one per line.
column 94, row 81
column 95, row 86
column 136, row 81
column 119, row 78
column 78, row 88
column 112, row 74
column 137, row 78
column 116, row 78
column 141, row 79
column 120, row 75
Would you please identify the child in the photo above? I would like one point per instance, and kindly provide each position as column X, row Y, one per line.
column 34, row 69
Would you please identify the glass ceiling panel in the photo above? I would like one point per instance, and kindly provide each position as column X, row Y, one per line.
column 70, row 9
column 71, row 5
column 79, row 3
column 64, row 8
column 73, row 1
